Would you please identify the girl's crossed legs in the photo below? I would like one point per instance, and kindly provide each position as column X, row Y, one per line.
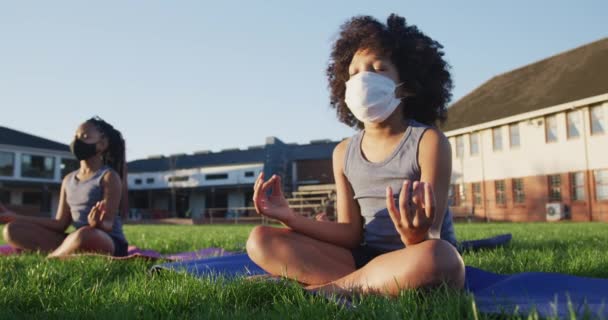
column 329, row 267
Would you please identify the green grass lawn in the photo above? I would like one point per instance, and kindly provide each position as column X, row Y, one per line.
column 91, row 287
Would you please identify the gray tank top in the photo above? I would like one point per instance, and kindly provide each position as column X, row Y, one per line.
column 369, row 181
column 81, row 196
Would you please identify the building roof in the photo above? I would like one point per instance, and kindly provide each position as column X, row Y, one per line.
column 312, row 151
column 197, row 160
column 13, row 137
column 569, row 76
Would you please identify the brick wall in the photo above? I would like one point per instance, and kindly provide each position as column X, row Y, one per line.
column 537, row 195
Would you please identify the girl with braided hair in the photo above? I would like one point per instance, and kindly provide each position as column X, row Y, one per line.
column 92, row 199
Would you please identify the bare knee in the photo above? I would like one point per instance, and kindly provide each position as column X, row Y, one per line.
column 82, row 236
column 444, row 263
column 259, row 241
column 264, row 241
column 8, row 232
column 11, row 231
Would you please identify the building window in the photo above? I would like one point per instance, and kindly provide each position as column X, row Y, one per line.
column 7, row 164
column 137, row 181
column 37, row 166
column 573, row 120
column 32, row 198
column 555, row 187
column 216, row 176
column 459, row 146
column 249, row 199
column 551, row 128
column 452, row 195
column 477, row 193
column 578, row 186
column 597, row 120
column 150, row 180
column 5, row 197
column 462, row 192
column 514, row 135
column 249, row 174
column 518, row 191
column 474, row 143
column 178, row 178
column 496, row 139
column 68, row 166
column 458, row 194
column 601, row 184
column 499, row 185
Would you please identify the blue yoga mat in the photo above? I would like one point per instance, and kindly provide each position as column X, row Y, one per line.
column 550, row 294
column 488, row 243
column 241, row 264
column 227, row 266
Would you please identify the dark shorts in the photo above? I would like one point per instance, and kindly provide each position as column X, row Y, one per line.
column 120, row 247
column 364, row 254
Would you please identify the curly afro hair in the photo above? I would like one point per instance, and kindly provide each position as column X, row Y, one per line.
column 419, row 61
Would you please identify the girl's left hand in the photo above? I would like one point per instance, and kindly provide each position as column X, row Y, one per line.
column 414, row 218
column 97, row 214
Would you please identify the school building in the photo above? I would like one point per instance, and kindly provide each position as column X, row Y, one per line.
column 532, row 144
column 31, row 171
column 220, row 184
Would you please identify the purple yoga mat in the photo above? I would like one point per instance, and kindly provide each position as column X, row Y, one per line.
column 6, row 250
column 135, row 252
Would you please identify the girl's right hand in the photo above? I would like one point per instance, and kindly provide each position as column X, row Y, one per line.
column 275, row 205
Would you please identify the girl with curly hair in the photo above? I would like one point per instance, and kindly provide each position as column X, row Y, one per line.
column 394, row 229
column 91, row 200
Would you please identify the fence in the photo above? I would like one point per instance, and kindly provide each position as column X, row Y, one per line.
column 484, row 210
column 249, row 215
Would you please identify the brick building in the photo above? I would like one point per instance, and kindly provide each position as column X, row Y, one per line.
column 533, row 142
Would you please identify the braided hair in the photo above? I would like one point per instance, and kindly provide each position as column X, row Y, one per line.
column 115, row 154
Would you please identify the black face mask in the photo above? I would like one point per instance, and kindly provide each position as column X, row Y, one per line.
column 82, row 150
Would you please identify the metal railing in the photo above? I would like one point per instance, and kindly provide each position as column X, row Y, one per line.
column 487, row 210
column 249, row 215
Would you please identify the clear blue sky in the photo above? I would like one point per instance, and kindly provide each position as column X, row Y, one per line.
column 181, row 76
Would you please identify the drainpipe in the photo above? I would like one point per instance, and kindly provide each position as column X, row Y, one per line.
column 483, row 177
column 588, row 194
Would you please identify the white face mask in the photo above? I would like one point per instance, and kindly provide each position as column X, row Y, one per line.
column 371, row 96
